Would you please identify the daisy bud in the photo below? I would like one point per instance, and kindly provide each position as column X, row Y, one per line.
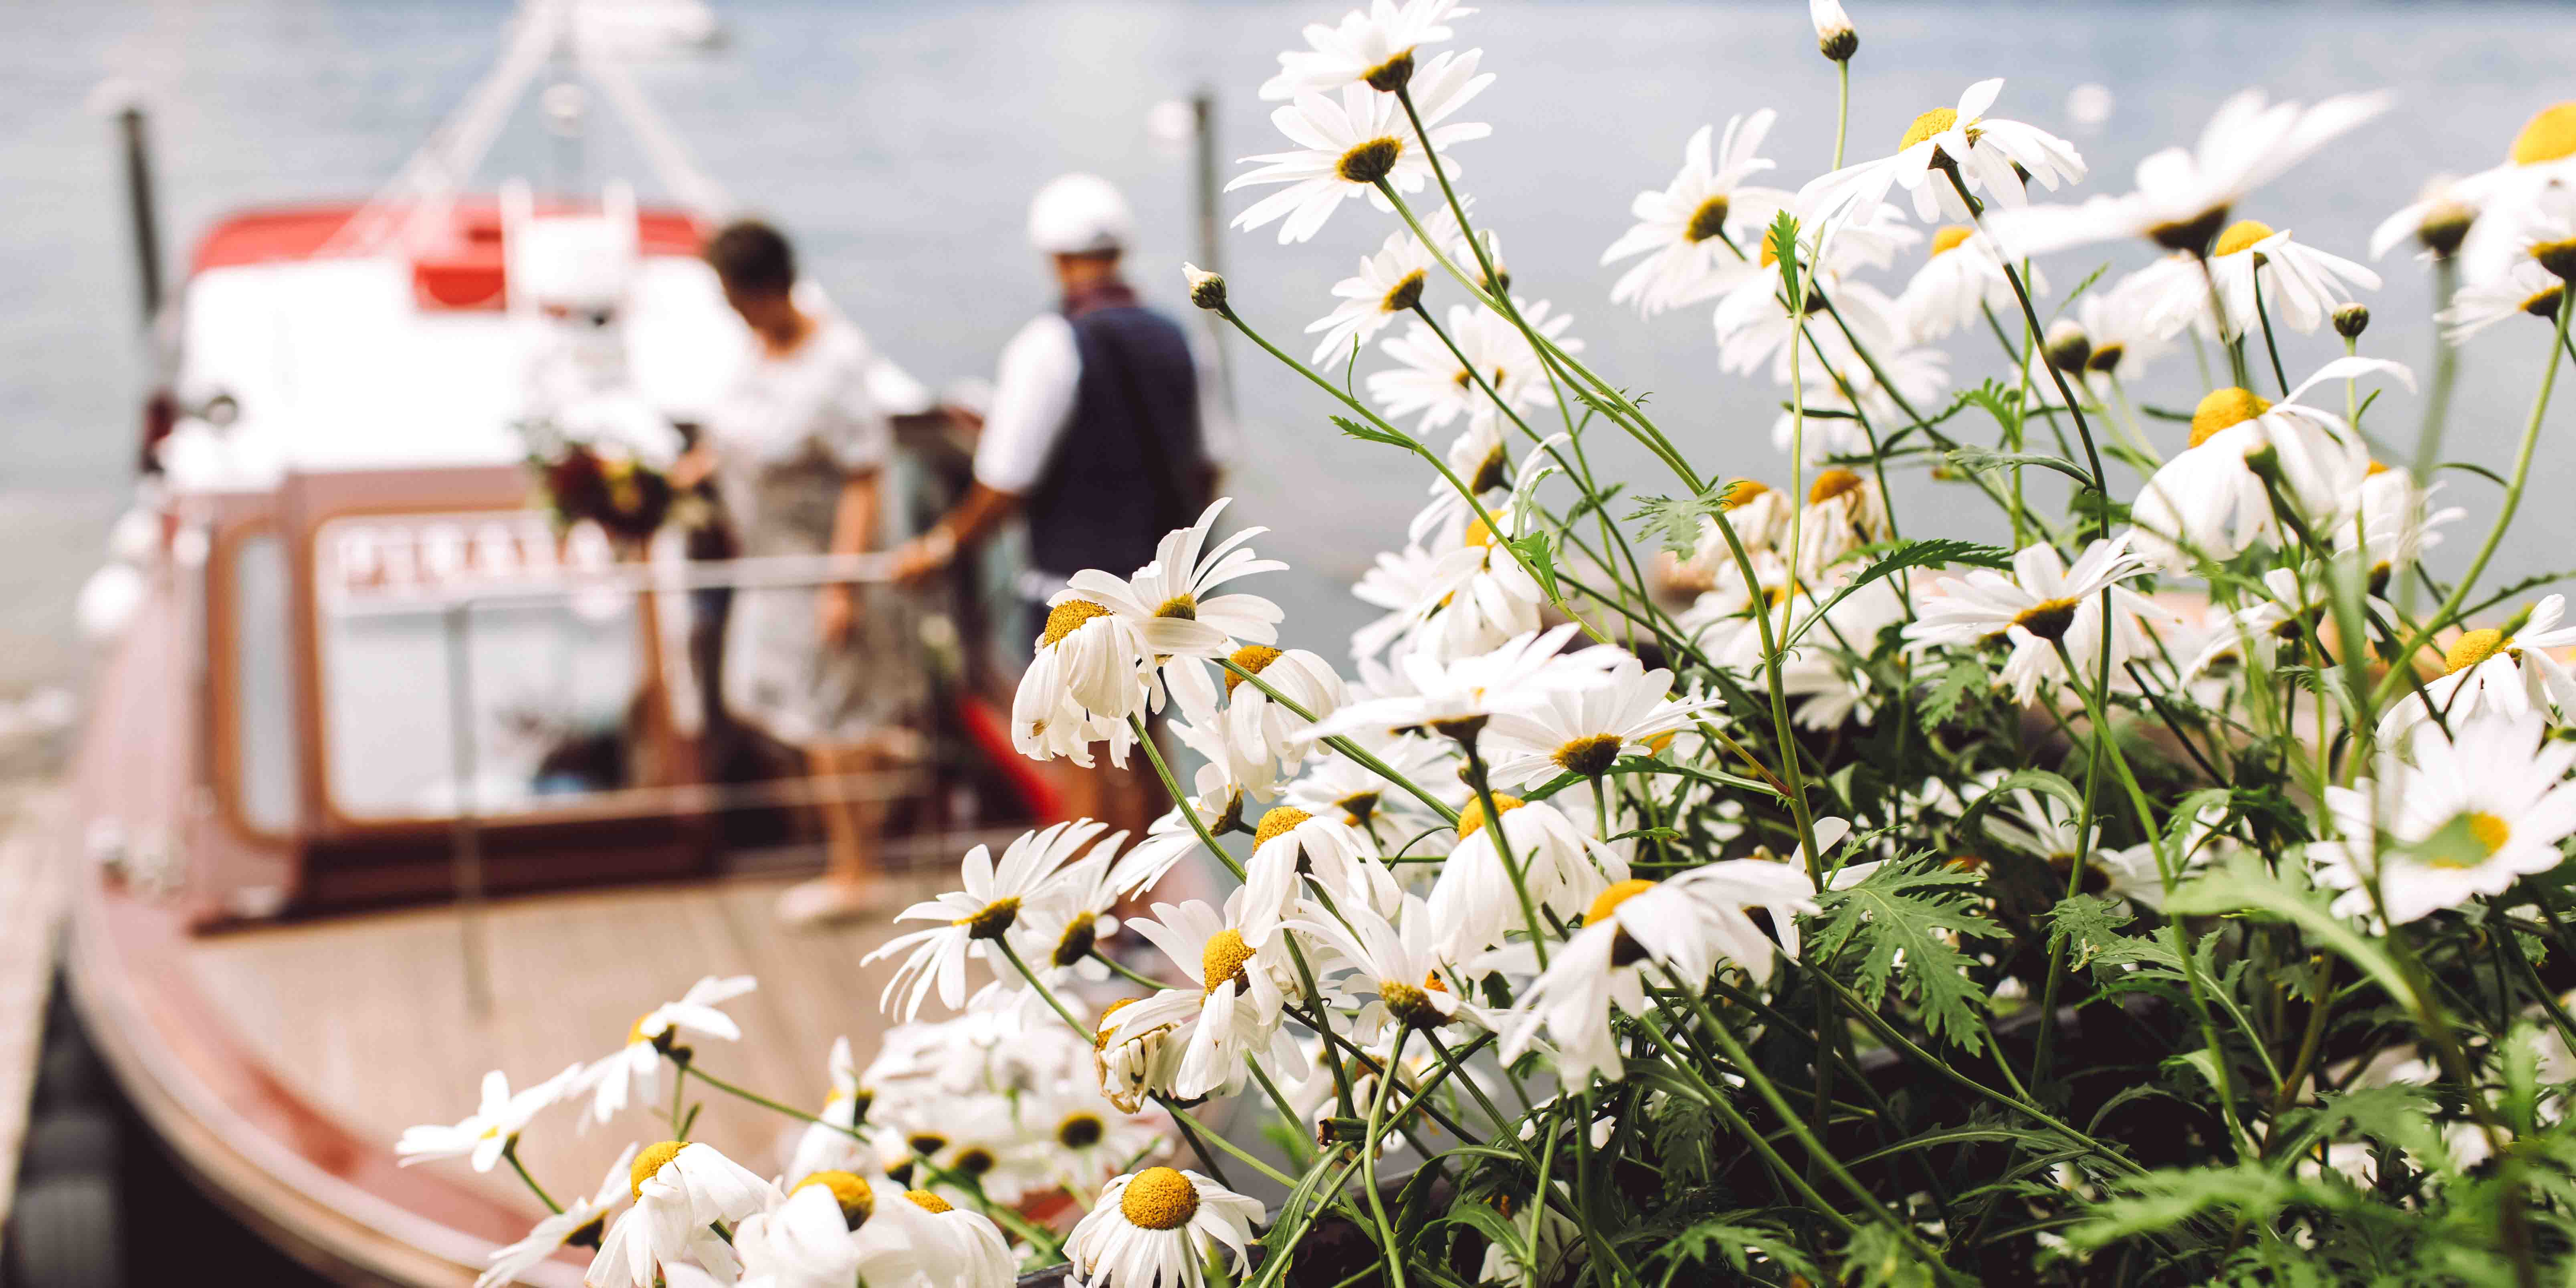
column 2067, row 347
column 1207, row 290
column 2351, row 320
column 2444, row 227
column 1834, row 35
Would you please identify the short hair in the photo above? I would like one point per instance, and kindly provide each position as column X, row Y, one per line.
column 752, row 257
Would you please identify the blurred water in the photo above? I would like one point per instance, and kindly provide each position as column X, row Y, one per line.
column 899, row 143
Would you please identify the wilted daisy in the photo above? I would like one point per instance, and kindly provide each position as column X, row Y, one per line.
column 2183, row 196
column 1988, row 154
column 1387, row 287
column 1156, row 1229
column 1694, row 233
column 1475, row 903
column 2477, row 809
column 1110, row 632
column 630, row 1073
column 984, row 910
column 1134, row 1064
column 1348, row 143
column 2525, row 289
column 1685, row 927
column 1374, row 48
column 2509, row 671
column 681, row 1191
column 2301, row 287
column 2042, row 605
column 1290, row 847
column 580, row 1225
column 1239, row 991
column 1583, row 731
column 1963, row 277
column 494, row 1125
column 2210, row 502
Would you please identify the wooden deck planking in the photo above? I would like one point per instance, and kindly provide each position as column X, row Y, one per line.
column 30, row 920
column 367, row 1016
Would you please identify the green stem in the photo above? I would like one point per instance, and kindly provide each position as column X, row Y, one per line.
column 510, row 1151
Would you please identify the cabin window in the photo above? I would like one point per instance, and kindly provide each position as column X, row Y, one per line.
column 263, row 697
column 544, row 684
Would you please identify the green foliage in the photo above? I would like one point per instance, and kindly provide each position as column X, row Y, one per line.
column 1675, row 521
column 1911, row 910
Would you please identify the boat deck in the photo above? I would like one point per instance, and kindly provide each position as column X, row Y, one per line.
column 368, row 1018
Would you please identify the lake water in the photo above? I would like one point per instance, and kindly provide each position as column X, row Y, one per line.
column 899, row 143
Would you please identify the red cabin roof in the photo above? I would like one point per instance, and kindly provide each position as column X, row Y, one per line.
column 273, row 234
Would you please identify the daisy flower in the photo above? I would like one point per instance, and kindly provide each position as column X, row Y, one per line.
column 1753, row 323
column 2511, row 201
column 1583, row 731
column 580, row 1224
column 2121, row 325
column 1387, row 287
column 2208, row 501
column 1156, row 1228
column 1456, row 697
column 2392, row 523
column 1963, row 277
column 2301, row 290
column 2438, row 219
column 631, row 1072
column 2489, row 669
column 1693, row 231
column 1988, row 154
column 2184, row 196
column 1081, row 1144
column 1687, row 925
column 1347, row 145
column 1435, row 381
column 2044, row 829
column 1396, row 963
column 806, row 1241
column 2042, row 605
column 1844, row 511
column 1136, row 1063
column 1290, row 844
column 1339, row 787
column 920, row 1240
column 2524, row 290
column 1374, row 48
column 1110, row 631
column 2474, row 811
column 494, row 1125
column 1474, row 902
column 1239, row 992
column 1264, row 727
column 681, row 1191
column 985, row 910
column 826, row 1146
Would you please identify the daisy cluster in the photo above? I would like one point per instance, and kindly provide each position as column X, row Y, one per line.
column 1694, row 870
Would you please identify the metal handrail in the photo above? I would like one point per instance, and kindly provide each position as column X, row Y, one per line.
column 561, row 581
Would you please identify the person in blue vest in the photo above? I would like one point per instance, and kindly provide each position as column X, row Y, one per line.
column 1101, row 435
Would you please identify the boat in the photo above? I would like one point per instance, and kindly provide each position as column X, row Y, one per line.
column 388, row 780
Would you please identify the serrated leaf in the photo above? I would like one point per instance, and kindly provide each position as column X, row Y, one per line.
column 1951, row 687
column 2244, row 886
column 1975, row 459
column 1538, row 550
column 1736, row 1240
column 1907, row 913
column 1371, row 433
column 1936, row 552
column 1783, row 239
column 1677, row 520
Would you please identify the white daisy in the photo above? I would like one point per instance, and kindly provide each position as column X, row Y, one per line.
column 1475, row 903
column 2041, row 605
column 1263, row 727
column 2490, row 669
column 631, row 1072
column 1963, row 277
column 681, row 1191
column 1080, row 1143
column 1133, row 1064
column 919, row 1240
column 1432, row 380
column 1111, row 631
column 1290, row 844
column 1698, row 225
column 2121, row 326
column 1753, row 323
column 2525, row 289
column 1584, row 730
column 1374, row 48
column 1456, row 697
column 1347, row 144
column 2510, row 200
column 579, row 1225
column 1337, row 786
column 1388, row 286
column 494, row 1125
column 806, row 1242
column 2301, row 288
column 985, row 909
column 2392, row 523
column 2208, row 501
column 1396, row 963
column 2437, row 220
column 1156, row 1229
column 2183, row 197
column 1240, row 991
column 826, row 1146
column 1989, row 154
column 2475, row 810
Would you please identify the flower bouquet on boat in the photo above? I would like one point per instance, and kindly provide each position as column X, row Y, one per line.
column 2057, row 826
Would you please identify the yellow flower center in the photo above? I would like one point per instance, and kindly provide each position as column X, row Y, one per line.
column 1743, row 493
column 652, row 1159
column 1473, row 817
column 857, row 1201
column 1408, row 1004
column 1608, row 901
column 2550, row 136
column 1948, row 238
column 1251, row 657
column 1371, row 161
column 1927, row 125
column 1832, row 483
column 1159, row 1199
column 1392, row 75
column 1589, row 756
column 2223, row 408
column 1769, row 256
column 2491, row 833
column 927, row 1201
column 1066, row 618
column 2558, row 257
column 1080, row 1131
column 1432, row 982
column 994, row 918
column 2544, row 304
column 2047, row 619
column 1406, row 293
column 2239, row 235
column 1100, row 1033
column 2106, row 357
column 1277, row 823
column 2474, row 647
column 635, row 1032
column 1184, row 606
column 1221, row 962
column 1707, row 221
column 1080, row 934
column 1480, row 529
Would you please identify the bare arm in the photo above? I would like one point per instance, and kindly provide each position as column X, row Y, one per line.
column 962, row 528
column 854, row 525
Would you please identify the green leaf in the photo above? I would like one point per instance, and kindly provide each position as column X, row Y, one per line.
column 1951, row 687
column 1975, row 459
column 2092, row 927
column 1877, row 1258
column 1737, row 1241
column 2244, row 886
column 1913, row 910
column 1783, row 238
column 1538, row 551
column 1937, row 552
column 1677, row 519
column 1372, row 433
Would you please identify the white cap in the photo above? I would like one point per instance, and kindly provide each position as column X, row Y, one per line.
column 1079, row 214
